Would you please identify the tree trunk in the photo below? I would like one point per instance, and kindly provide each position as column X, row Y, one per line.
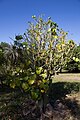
column 43, row 102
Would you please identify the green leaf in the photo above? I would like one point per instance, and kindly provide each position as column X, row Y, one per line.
column 31, row 82
column 0, row 50
column 12, row 85
column 33, row 45
column 25, row 86
column 77, row 60
column 25, row 43
column 33, row 16
column 44, row 75
column 39, row 70
column 18, row 37
column 34, row 95
column 17, row 69
column 44, row 81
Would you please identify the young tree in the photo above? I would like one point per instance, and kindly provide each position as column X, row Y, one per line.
column 36, row 56
column 39, row 45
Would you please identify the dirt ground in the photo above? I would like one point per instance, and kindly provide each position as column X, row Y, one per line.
column 64, row 104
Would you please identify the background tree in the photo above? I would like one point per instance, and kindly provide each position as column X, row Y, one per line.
column 74, row 64
column 3, row 64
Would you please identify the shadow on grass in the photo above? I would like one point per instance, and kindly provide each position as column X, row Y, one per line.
column 58, row 97
column 60, row 89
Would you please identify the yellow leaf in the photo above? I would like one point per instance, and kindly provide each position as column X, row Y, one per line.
column 44, row 81
column 37, row 38
column 31, row 82
column 73, row 58
column 39, row 70
column 42, row 91
column 55, row 37
column 77, row 60
column 49, row 29
column 12, row 85
column 44, row 75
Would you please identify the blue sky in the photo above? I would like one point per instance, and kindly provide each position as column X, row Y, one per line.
column 14, row 15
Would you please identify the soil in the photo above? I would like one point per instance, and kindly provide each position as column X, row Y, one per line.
column 15, row 106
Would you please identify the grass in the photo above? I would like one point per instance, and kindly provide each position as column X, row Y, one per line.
column 67, row 77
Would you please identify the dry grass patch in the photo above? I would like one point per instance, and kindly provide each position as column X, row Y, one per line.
column 67, row 77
